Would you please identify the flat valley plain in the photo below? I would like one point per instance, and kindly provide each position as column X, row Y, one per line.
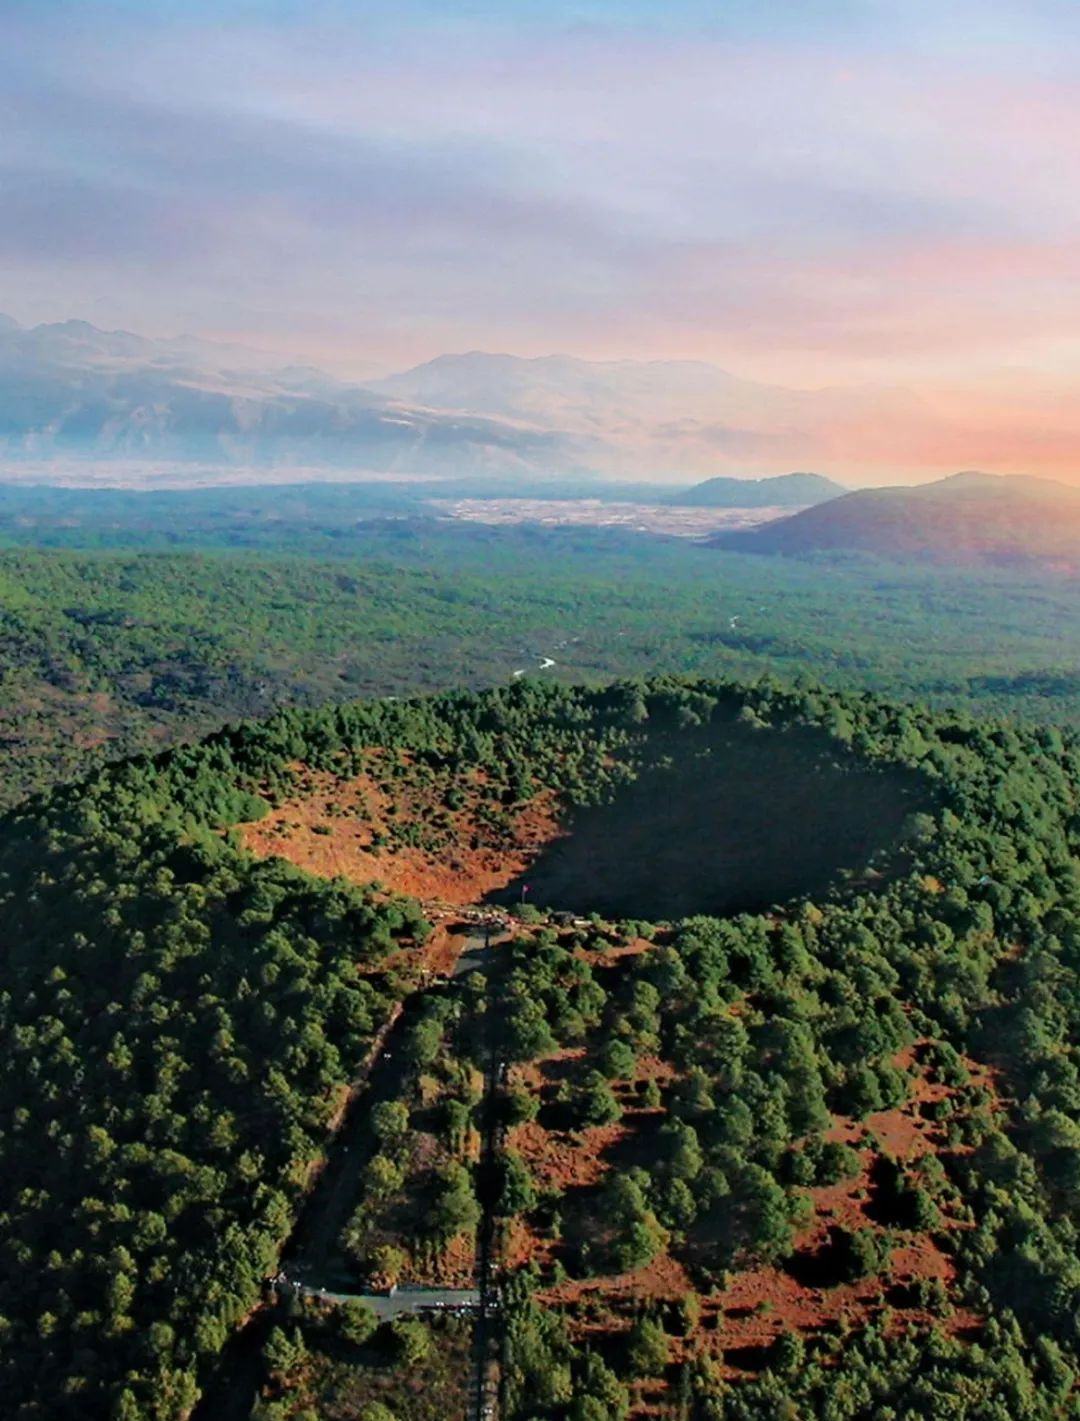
column 667, row 520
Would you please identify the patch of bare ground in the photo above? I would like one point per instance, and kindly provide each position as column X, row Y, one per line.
column 521, row 1244
column 760, row 1303
column 412, row 841
column 654, row 1068
column 567, row 1159
column 443, row 948
column 594, row 1305
column 612, row 954
column 578, row 1158
column 454, row 1267
column 739, row 1322
column 436, row 958
column 395, row 1224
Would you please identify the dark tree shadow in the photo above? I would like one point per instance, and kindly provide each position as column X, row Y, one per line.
column 739, row 820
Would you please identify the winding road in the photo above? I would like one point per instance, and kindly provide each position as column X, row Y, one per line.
column 546, row 663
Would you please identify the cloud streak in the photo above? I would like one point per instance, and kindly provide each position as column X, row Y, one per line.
column 812, row 193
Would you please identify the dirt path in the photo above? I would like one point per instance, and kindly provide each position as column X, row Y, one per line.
column 487, row 1388
column 308, row 1258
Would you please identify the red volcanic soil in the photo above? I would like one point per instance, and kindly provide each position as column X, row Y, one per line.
column 740, row 822
column 740, row 1321
column 761, row 1303
column 351, row 829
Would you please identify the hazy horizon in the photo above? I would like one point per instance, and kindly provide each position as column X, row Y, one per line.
column 874, row 197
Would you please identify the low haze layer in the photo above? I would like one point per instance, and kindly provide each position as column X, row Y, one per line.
column 80, row 404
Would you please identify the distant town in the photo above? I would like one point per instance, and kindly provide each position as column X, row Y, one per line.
column 637, row 517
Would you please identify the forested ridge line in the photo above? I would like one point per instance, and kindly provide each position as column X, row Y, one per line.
column 105, row 654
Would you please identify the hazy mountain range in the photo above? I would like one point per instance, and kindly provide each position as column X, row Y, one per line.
column 781, row 491
column 73, row 390
column 70, row 390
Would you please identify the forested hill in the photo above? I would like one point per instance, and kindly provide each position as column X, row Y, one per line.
column 180, row 1021
column 967, row 519
column 110, row 651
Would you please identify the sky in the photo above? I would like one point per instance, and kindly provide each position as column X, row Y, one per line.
column 817, row 192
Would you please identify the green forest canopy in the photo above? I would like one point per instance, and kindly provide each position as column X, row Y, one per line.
column 178, row 1018
column 128, row 647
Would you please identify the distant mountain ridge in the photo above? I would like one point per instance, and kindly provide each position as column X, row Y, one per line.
column 656, row 418
column 968, row 518
column 796, row 490
column 524, row 387
column 71, row 390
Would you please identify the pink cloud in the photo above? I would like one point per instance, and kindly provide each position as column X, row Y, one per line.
column 897, row 204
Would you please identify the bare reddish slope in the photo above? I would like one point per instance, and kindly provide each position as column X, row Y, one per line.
column 335, row 827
